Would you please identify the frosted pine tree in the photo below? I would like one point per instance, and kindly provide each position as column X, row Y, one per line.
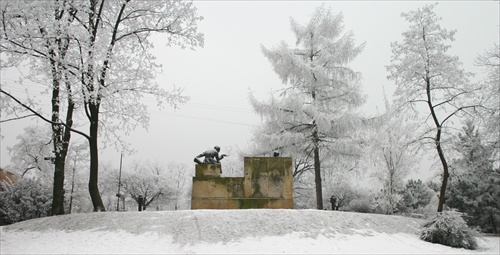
column 311, row 115
column 416, row 195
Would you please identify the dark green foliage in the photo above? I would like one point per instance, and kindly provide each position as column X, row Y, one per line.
column 24, row 200
column 474, row 186
column 449, row 228
column 415, row 195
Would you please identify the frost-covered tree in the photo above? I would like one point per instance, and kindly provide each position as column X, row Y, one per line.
column 149, row 180
column 117, row 68
column 177, row 183
column 387, row 202
column 361, row 202
column 109, row 177
column 30, row 156
column 77, row 167
column 341, row 186
column 232, row 166
column 432, row 87
column 38, row 33
column 475, row 184
column 490, row 98
column 390, row 155
column 312, row 115
column 100, row 51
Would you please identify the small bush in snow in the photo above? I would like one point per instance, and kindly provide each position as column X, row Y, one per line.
column 449, row 228
column 360, row 205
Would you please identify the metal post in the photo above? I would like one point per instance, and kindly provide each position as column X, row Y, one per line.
column 118, row 195
column 72, row 187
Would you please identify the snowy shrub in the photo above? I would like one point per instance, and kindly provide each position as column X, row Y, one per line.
column 23, row 200
column 360, row 205
column 386, row 203
column 449, row 228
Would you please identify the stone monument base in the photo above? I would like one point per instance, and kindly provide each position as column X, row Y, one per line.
column 268, row 183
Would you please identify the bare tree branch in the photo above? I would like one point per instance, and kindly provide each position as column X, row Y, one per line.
column 41, row 116
column 18, row 118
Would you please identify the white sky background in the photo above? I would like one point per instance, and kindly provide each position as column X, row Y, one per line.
column 219, row 76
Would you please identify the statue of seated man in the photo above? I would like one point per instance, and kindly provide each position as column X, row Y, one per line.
column 211, row 156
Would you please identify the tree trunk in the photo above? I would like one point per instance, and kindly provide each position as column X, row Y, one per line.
column 58, row 187
column 58, row 147
column 67, row 131
column 59, row 165
column 94, row 158
column 317, row 163
column 61, row 135
column 437, row 141
column 446, row 174
column 61, row 138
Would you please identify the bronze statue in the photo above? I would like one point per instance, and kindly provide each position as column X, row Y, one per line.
column 211, row 156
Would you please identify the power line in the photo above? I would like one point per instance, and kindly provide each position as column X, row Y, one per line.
column 205, row 119
column 217, row 107
column 149, row 98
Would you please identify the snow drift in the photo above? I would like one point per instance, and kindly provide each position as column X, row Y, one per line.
column 223, row 231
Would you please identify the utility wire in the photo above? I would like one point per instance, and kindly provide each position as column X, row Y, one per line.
column 149, row 98
column 205, row 119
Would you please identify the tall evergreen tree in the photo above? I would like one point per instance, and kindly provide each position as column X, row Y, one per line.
column 311, row 116
column 416, row 194
column 475, row 184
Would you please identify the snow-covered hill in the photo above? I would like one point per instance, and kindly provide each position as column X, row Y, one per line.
column 224, row 231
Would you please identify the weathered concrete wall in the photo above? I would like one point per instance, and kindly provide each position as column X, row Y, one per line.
column 268, row 183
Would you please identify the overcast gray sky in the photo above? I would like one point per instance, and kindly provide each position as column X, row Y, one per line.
column 219, row 77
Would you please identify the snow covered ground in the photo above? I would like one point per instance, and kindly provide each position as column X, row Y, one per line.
column 225, row 232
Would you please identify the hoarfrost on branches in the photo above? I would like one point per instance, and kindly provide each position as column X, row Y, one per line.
column 432, row 86
column 312, row 114
column 96, row 55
